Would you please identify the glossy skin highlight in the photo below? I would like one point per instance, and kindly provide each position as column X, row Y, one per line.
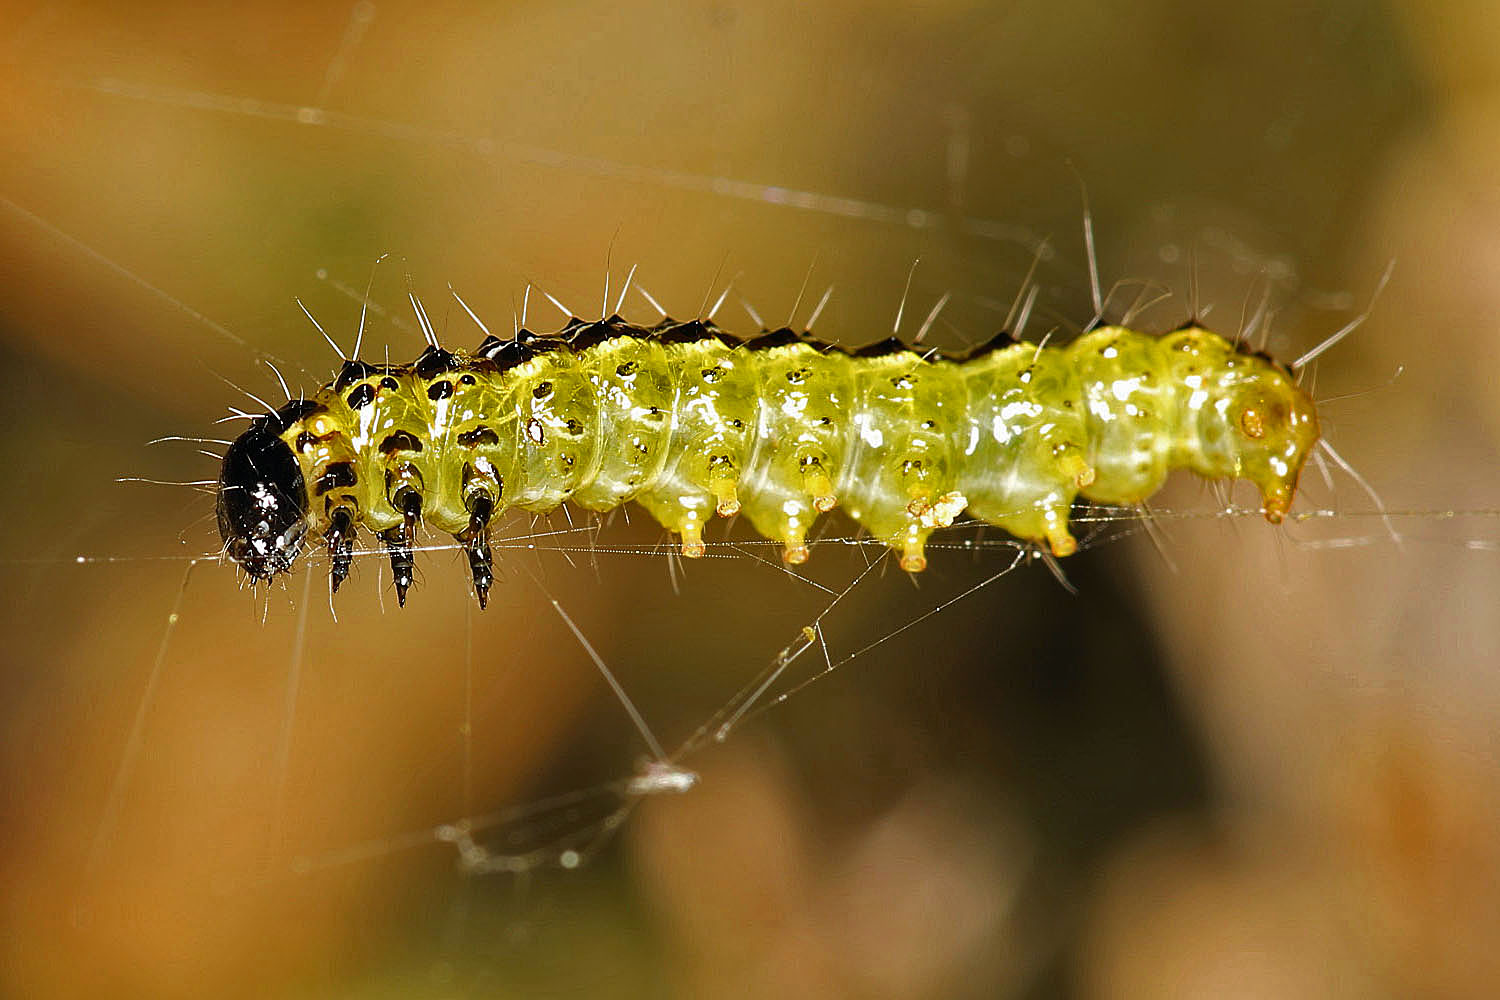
column 690, row 424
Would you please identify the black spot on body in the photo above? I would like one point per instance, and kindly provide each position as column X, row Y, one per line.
column 335, row 475
column 478, row 436
column 361, row 397
column 440, row 390
column 400, row 441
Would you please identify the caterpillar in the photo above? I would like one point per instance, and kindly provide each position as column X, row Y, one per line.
column 690, row 422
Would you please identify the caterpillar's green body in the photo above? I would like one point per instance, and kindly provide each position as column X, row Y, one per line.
column 687, row 422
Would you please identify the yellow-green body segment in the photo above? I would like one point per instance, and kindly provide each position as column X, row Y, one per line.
column 690, row 424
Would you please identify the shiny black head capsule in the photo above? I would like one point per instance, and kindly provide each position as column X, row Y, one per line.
column 262, row 502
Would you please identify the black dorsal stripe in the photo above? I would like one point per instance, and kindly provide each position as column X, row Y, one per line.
column 352, row 372
column 773, row 338
column 999, row 342
column 543, row 342
column 291, row 413
column 434, row 362
column 505, row 354
column 594, row 334
column 881, row 348
column 692, row 332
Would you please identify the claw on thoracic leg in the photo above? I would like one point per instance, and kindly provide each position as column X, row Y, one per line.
column 340, row 546
column 476, row 543
column 399, row 541
column 402, row 566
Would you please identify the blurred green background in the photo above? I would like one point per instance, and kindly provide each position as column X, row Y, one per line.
column 1268, row 769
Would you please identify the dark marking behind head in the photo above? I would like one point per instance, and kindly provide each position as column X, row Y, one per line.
column 262, row 500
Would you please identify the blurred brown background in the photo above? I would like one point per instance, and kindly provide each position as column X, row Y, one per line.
column 1271, row 772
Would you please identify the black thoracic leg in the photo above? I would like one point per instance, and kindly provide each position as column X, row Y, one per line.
column 476, row 543
column 340, row 546
column 399, row 541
